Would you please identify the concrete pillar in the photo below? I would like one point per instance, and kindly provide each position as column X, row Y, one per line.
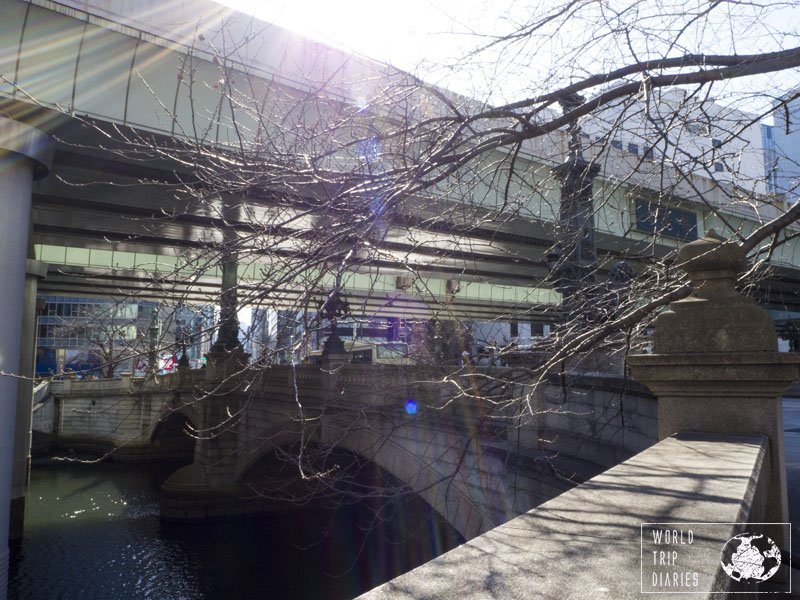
column 22, row 441
column 25, row 154
column 715, row 366
column 227, row 358
column 228, row 332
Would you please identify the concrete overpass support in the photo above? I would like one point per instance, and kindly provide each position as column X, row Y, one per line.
column 22, row 441
column 25, row 154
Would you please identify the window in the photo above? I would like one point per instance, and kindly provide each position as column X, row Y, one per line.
column 719, row 167
column 616, row 144
column 715, row 143
column 633, row 149
column 663, row 220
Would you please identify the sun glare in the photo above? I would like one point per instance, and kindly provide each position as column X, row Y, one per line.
column 384, row 31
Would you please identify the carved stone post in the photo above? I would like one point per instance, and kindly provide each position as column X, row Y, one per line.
column 715, row 366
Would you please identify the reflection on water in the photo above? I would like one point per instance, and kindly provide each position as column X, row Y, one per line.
column 93, row 532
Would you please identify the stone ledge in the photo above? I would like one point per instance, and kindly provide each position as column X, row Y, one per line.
column 586, row 542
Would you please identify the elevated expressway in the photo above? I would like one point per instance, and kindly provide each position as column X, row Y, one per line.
column 113, row 224
column 103, row 231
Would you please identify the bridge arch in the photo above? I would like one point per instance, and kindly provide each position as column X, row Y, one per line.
column 172, row 438
column 435, row 465
column 467, row 496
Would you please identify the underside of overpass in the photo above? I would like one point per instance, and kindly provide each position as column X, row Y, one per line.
column 108, row 225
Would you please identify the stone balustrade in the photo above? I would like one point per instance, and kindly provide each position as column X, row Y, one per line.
column 588, row 542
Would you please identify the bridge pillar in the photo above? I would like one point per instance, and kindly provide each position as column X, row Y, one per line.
column 715, row 366
column 22, row 441
column 210, row 486
column 216, row 452
column 25, row 154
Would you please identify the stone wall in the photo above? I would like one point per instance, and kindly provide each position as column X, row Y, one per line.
column 44, row 414
column 114, row 416
column 602, row 419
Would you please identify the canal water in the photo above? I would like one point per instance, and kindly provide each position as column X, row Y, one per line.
column 92, row 532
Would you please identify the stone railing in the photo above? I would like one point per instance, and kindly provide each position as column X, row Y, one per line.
column 596, row 540
column 41, row 392
column 43, row 410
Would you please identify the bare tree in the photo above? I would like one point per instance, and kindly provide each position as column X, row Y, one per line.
column 635, row 127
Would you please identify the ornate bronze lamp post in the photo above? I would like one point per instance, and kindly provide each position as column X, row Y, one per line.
column 333, row 308
column 573, row 258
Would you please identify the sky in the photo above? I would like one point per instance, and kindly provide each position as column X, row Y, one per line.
column 417, row 36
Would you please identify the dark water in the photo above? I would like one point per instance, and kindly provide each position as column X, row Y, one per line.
column 93, row 532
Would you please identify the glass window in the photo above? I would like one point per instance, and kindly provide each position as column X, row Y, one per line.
column 663, row 220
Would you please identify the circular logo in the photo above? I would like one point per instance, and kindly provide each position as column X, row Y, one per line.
column 750, row 557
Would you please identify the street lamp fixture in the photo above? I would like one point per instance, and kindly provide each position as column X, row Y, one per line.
column 334, row 307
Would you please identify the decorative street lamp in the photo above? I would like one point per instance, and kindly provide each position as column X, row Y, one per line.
column 182, row 334
column 333, row 308
column 573, row 258
column 152, row 337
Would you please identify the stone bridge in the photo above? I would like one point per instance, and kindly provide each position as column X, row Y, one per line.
column 451, row 437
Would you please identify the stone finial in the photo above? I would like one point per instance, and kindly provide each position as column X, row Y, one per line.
column 712, row 265
column 715, row 366
column 715, row 318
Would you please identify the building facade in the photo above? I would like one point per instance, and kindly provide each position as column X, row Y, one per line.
column 782, row 141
